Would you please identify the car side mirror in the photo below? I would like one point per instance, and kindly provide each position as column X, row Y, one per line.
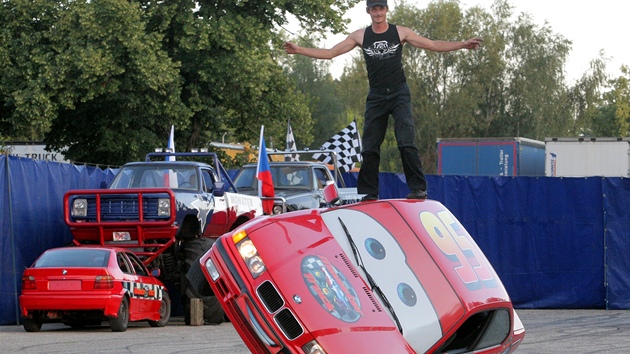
column 156, row 272
column 219, row 189
column 331, row 194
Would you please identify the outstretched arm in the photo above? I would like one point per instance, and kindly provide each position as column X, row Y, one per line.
column 409, row 36
column 353, row 40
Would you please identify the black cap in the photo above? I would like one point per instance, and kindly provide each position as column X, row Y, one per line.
column 370, row 3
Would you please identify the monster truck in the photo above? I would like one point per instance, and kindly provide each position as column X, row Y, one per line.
column 299, row 184
column 167, row 212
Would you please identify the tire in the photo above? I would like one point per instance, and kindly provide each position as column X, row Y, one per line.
column 120, row 323
column 212, row 311
column 165, row 311
column 197, row 282
column 31, row 324
column 193, row 250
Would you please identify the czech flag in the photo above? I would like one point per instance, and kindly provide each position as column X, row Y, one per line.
column 263, row 173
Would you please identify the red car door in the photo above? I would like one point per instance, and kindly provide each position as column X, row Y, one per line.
column 129, row 281
column 146, row 290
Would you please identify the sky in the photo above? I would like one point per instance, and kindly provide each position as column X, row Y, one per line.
column 591, row 26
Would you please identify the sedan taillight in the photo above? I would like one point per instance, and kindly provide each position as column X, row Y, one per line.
column 28, row 282
column 104, row 282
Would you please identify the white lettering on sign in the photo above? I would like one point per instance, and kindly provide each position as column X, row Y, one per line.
column 35, row 152
column 504, row 162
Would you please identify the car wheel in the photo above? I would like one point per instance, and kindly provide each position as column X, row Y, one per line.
column 31, row 324
column 120, row 323
column 165, row 311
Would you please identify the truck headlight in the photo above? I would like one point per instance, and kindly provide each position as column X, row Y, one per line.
column 79, row 208
column 313, row 347
column 164, row 207
column 249, row 253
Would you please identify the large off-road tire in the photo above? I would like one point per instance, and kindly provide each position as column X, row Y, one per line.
column 165, row 312
column 195, row 248
column 120, row 323
column 32, row 324
column 212, row 311
column 196, row 285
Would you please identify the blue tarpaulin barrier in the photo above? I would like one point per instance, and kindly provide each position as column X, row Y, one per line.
column 31, row 212
column 555, row 242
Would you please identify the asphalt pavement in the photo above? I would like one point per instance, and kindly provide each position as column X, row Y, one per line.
column 547, row 331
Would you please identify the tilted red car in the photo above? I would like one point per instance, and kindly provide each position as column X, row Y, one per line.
column 391, row 276
column 81, row 286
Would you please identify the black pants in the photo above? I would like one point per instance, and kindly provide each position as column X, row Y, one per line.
column 380, row 103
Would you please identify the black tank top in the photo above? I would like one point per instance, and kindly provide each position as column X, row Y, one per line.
column 383, row 57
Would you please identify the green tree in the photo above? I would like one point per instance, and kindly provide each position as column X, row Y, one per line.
column 86, row 77
column 585, row 100
column 312, row 78
column 612, row 117
column 106, row 79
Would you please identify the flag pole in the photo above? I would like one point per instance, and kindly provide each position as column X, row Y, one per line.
column 356, row 126
column 171, row 144
column 265, row 178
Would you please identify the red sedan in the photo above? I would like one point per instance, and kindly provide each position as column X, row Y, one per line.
column 391, row 276
column 81, row 286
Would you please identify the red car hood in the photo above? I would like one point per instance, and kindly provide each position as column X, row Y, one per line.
column 424, row 262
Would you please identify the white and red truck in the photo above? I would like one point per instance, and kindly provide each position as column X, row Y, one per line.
column 167, row 212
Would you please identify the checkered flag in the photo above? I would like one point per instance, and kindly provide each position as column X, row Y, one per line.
column 291, row 146
column 347, row 146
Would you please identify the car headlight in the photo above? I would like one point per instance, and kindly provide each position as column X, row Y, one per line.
column 313, row 347
column 212, row 270
column 277, row 209
column 79, row 208
column 249, row 253
column 164, row 207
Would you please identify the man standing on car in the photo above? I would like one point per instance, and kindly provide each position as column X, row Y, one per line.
column 382, row 45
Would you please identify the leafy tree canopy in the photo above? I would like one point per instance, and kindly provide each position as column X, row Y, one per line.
column 106, row 79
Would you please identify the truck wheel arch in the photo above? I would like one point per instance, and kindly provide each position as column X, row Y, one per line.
column 190, row 227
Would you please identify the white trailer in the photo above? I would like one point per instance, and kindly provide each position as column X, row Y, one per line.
column 582, row 157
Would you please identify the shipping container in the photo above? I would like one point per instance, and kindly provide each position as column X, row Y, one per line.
column 491, row 157
column 581, row 157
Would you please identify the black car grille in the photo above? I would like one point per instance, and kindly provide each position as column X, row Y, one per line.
column 288, row 324
column 284, row 318
column 270, row 297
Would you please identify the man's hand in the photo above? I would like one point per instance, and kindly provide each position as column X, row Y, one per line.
column 473, row 43
column 290, row 48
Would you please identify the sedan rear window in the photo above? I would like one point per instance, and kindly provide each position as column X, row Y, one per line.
column 73, row 258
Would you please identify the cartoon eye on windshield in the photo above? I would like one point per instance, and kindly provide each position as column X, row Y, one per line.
column 406, row 294
column 375, row 248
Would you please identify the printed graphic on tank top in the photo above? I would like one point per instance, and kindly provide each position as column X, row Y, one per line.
column 383, row 57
